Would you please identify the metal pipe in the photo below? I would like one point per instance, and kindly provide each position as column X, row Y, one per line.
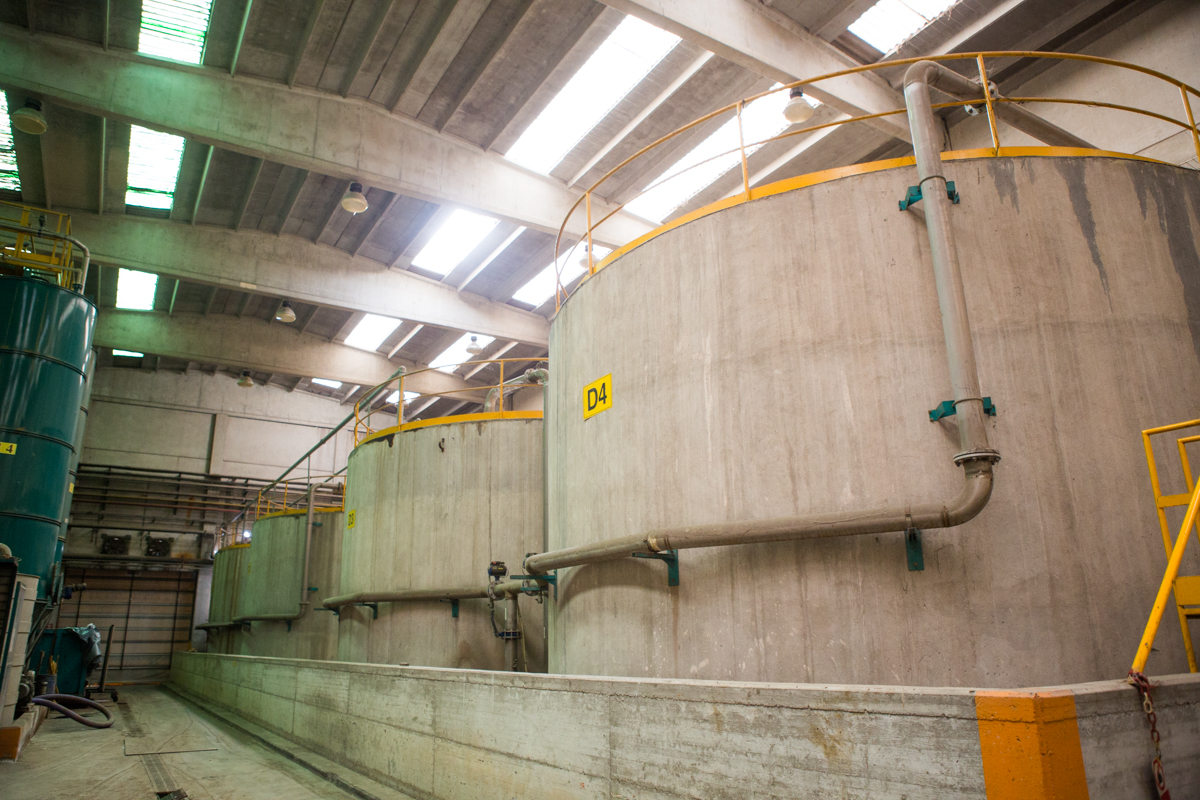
column 511, row 634
column 537, row 377
column 961, row 87
column 492, row 591
column 976, row 457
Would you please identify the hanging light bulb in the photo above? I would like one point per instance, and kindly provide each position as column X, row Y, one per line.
column 285, row 313
column 30, row 118
column 354, row 200
column 474, row 347
column 246, row 382
column 797, row 108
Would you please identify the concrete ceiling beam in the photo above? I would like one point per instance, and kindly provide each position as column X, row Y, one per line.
column 292, row 268
column 346, row 138
column 254, row 345
column 765, row 42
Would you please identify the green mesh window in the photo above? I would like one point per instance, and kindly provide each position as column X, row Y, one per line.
column 8, row 155
column 174, row 29
column 153, row 168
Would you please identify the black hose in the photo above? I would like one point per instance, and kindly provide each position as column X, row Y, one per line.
column 48, row 700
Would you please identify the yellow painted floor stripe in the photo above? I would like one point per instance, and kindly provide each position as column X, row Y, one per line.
column 1030, row 744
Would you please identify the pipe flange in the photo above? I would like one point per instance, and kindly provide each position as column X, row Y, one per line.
column 991, row 456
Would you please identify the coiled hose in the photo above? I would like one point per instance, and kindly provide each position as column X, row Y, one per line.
column 49, row 701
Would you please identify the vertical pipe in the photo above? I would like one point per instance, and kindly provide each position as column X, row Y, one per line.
column 742, row 148
column 591, row 266
column 964, row 377
column 510, row 631
column 1187, row 108
column 308, row 531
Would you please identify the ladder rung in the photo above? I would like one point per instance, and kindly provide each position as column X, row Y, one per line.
column 1187, row 591
column 1172, row 500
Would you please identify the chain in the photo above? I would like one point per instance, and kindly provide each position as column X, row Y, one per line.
column 1142, row 683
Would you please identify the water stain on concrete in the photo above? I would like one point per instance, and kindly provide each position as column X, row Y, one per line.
column 1003, row 172
column 1072, row 171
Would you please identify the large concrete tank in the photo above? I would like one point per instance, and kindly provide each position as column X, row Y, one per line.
column 45, row 345
column 273, row 581
column 780, row 357
column 433, row 506
column 228, row 579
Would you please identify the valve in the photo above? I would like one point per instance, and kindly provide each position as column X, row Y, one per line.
column 497, row 570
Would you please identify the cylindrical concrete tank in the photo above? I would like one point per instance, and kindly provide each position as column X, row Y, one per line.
column 432, row 507
column 228, row 580
column 45, row 343
column 274, row 577
column 780, row 358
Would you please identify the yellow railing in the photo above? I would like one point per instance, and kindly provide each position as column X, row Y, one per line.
column 986, row 99
column 363, row 417
column 48, row 257
column 1186, row 587
column 285, row 499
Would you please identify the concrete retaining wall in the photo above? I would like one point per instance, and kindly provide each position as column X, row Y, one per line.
column 467, row 734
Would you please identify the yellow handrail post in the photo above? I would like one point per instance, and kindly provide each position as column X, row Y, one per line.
column 1187, row 107
column 591, row 264
column 1168, row 582
column 742, row 148
column 987, row 99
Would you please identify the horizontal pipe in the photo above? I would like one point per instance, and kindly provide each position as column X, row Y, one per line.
column 406, row 595
column 961, row 87
column 974, row 495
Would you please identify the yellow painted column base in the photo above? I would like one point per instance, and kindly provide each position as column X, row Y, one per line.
column 1030, row 745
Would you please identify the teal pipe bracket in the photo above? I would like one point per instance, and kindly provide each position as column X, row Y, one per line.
column 946, row 409
column 672, row 559
column 913, row 551
column 913, row 195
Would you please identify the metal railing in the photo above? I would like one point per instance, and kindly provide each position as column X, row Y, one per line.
column 986, row 101
column 38, row 241
column 394, row 411
column 1186, row 587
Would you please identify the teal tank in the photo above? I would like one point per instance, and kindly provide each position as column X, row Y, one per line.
column 45, row 346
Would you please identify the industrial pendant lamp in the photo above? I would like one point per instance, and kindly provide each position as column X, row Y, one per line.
column 246, row 382
column 797, row 108
column 285, row 313
column 474, row 348
column 30, row 118
column 354, row 200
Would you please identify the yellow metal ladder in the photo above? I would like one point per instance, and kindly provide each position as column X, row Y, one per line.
column 1186, row 588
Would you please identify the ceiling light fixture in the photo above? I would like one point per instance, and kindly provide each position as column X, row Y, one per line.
column 474, row 348
column 285, row 313
column 30, row 118
column 797, row 109
column 246, row 382
column 354, row 200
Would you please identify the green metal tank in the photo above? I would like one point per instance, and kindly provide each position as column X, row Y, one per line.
column 45, row 345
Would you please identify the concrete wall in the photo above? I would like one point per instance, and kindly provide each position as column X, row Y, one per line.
column 469, row 735
column 208, row 424
column 1166, row 38
column 272, row 586
column 433, row 507
column 780, row 358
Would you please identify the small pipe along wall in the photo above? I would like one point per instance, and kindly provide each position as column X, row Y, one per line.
column 780, row 358
column 432, row 507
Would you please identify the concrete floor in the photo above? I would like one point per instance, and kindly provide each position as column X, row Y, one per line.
column 66, row 759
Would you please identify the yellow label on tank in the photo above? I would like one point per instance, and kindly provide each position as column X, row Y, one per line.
column 597, row 396
column 8, row 448
column 350, row 519
column 71, row 488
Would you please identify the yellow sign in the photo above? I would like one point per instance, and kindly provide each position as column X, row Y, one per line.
column 350, row 519
column 597, row 396
column 8, row 448
column 71, row 488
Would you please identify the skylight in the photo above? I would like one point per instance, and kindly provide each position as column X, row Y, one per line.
column 395, row 395
column 153, row 168
column 625, row 58
column 370, row 333
column 135, row 290
column 129, row 353
column 457, row 353
column 9, row 179
column 326, row 382
column 889, row 23
column 174, row 29
column 761, row 120
column 458, row 236
column 541, row 287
